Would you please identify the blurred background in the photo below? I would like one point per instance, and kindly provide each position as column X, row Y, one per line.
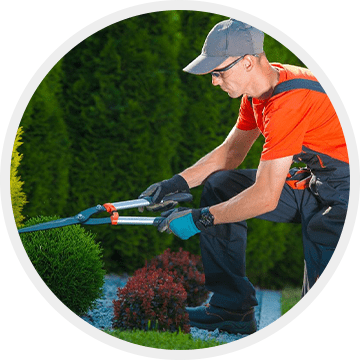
column 116, row 114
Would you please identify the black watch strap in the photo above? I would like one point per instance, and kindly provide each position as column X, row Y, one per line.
column 206, row 218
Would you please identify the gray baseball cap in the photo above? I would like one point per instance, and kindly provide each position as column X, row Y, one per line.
column 227, row 38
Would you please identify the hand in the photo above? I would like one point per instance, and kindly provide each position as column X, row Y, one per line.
column 158, row 190
column 184, row 222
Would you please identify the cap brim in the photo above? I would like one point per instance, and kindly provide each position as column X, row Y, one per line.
column 204, row 64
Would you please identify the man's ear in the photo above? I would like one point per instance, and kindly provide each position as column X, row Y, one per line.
column 248, row 63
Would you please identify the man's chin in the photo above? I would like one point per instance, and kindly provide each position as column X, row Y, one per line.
column 234, row 95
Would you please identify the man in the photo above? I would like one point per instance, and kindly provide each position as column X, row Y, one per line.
column 298, row 123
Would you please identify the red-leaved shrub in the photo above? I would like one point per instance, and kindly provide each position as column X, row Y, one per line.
column 151, row 299
column 188, row 269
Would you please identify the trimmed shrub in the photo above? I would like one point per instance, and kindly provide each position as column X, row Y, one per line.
column 151, row 299
column 68, row 261
column 187, row 269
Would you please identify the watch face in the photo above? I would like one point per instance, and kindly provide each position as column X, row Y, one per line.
column 207, row 219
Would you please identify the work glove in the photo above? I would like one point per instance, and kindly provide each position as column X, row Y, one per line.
column 157, row 191
column 185, row 222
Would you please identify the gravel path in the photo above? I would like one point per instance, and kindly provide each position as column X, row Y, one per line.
column 102, row 314
column 266, row 312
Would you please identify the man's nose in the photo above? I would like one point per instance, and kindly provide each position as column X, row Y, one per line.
column 215, row 80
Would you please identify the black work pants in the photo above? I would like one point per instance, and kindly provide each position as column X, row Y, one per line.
column 223, row 247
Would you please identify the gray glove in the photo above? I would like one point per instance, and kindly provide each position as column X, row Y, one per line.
column 157, row 191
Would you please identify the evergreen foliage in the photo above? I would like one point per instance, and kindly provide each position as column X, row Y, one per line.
column 123, row 111
column 46, row 149
column 68, row 261
column 117, row 114
column 18, row 197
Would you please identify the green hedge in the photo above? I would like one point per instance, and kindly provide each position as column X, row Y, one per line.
column 116, row 114
column 68, row 261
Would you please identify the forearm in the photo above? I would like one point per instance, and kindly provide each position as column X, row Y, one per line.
column 218, row 159
column 258, row 199
column 248, row 204
column 229, row 155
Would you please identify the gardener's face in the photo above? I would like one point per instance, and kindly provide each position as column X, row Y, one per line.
column 231, row 76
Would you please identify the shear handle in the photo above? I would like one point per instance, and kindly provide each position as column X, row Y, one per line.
column 138, row 220
column 146, row 201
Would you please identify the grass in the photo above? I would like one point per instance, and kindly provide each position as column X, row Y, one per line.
column 180, row 341
column 290, row 297
column 163, row 340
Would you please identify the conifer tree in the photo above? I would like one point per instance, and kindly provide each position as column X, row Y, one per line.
column 18, row 197
column 123, row 106
column 46, row 149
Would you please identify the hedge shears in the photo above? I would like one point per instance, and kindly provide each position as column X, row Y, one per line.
column 84, row 217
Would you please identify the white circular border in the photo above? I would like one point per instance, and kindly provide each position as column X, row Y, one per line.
column 162, row 6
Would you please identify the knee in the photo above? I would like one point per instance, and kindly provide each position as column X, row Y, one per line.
column 216, row 181
column 213, row 191
column 223, row 185
column 326, row 226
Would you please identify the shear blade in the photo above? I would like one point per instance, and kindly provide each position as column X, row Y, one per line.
column 50, row 225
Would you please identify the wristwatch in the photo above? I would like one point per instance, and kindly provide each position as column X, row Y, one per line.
column 206, row 218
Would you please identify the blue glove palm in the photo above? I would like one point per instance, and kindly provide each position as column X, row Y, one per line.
column 183, row 222
column 180, row 222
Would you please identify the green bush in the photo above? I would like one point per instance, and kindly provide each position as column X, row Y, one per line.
column 18, row 197
column 68, row 261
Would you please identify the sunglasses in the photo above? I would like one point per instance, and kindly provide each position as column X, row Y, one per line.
column 217, row 73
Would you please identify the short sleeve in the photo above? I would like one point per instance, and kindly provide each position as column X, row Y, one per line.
column 285, row 126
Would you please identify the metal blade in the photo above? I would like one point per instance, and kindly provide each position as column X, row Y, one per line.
column 50, row 225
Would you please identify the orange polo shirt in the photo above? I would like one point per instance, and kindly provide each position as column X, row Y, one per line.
column 294, row 119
